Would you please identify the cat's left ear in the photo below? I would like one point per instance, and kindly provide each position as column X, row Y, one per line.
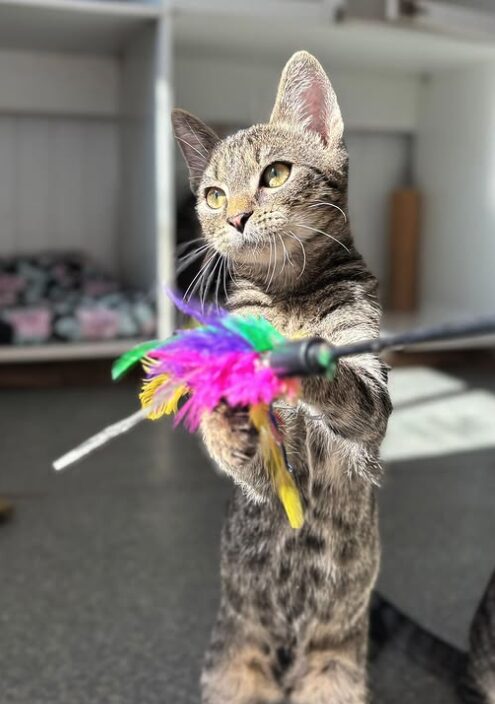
column 196, row 141
column 306, row 98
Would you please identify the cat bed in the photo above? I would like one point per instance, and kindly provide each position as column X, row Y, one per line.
column 67, row 298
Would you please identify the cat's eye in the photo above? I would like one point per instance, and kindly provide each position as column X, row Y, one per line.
column 275, row 174
column 215, row 197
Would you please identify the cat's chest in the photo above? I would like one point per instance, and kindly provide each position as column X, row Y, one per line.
column 293, row 323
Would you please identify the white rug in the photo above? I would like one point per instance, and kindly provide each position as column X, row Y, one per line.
column 436, row 414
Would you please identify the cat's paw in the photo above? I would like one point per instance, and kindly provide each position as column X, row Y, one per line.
column 230, row 436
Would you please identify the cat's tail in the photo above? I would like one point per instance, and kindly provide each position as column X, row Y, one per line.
column 471, row 674
column 479, row 682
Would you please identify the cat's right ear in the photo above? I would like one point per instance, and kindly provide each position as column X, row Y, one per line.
column 196, row 141
column 306, row 99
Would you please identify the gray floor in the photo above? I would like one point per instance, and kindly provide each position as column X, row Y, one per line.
column 109, row 570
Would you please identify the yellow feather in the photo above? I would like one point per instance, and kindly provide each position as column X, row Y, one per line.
column 274, row 460
column 169, row 405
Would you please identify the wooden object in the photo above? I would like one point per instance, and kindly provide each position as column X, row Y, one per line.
column 404, row 250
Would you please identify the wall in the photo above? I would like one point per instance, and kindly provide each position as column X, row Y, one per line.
column 378, row 163
column 59, row 153
column 455, row 169
column 231, row 91
column 59, row 183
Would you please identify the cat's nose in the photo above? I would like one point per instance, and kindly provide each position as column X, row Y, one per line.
column 239, row 221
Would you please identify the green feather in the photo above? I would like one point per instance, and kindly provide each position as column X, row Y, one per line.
column 132, row 357
column 256, row 330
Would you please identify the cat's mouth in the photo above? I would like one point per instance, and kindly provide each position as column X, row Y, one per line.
column 263, row 249
column 251, row 243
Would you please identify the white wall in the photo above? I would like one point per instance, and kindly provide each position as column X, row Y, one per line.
column 378, row 163
column 59, row 185
column 233, row 91
column 59, row 153
column 55, row 83
column 455, row 169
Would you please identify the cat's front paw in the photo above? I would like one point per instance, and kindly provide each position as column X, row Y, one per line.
column 229, row 436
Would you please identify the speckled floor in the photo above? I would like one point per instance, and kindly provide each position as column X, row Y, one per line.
column 109, row 570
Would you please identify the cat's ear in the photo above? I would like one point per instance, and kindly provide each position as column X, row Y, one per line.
column 196, row 141
column 306, row 98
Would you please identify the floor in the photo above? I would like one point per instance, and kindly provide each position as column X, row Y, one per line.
column 109, row 569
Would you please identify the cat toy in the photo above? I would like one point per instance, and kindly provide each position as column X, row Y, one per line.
column 244, row 362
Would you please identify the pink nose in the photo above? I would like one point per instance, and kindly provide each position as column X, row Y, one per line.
column 239, row 221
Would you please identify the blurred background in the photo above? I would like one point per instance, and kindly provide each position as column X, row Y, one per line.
column 106, row 567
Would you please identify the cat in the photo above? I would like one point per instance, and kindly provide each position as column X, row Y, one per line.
column 272, row 202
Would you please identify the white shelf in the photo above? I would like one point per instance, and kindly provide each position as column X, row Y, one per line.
column 85, row 26
column 68, row 351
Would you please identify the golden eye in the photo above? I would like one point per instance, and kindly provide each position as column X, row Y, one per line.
column 275, row 174
column 215, row 197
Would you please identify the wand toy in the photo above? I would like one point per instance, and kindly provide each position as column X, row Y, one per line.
column 245, row 362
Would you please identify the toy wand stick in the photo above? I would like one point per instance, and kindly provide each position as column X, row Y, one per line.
column 311, row 356
column 315, row 356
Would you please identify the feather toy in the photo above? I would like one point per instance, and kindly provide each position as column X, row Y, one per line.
column 222, row 360
column 245, row 362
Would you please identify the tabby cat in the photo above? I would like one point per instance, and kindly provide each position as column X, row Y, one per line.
column 272, row 202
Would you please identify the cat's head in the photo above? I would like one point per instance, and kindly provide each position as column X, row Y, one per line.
column 273, row 196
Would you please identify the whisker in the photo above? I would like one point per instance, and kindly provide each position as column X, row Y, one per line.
column 186, row 261
column 198, row 275
column 217, row 286
column 232, row 273
column 269, row 263
column 208, row 279
column 286, row 251
column 225, row 267
column 294, row 236
column 205, row 280
column 320, row 203
column 183, row 245
column 326, row 234
column 274, row 266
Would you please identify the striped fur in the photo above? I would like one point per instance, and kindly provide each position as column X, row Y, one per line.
column 480, row 680
column 293, row 618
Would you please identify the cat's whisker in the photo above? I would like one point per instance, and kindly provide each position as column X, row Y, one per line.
column 286, row 251
column 208, row 279
column 183, row 245
column 186, row 261
column 225, row 272
column 274, row 266
column 321, row 232
column 203, row 283
column 185, row 256
column 269, row 263
column 218, row 279
column 232, row 272
column 193, row 285
column 320, row 203
column 303, row 250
